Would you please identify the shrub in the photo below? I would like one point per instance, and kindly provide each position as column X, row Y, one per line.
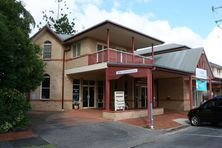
column 13, row 110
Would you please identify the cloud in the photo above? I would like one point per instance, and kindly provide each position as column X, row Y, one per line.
column 213, row 46
column 88, row 13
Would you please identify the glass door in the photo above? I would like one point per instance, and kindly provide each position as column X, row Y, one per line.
column 88, row 96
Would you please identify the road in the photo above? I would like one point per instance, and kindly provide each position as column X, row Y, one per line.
column 191, row 137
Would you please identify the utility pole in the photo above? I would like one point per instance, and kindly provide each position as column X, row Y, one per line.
column 217, row 13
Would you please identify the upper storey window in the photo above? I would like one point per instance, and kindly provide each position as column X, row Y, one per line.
column 100, row 46
column 76, row 49
column 47, row 50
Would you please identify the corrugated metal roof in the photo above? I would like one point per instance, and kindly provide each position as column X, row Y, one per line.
column 215, row 65
column 159, row 48
column 185, row 60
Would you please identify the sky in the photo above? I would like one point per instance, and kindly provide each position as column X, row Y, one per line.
column 188, row 22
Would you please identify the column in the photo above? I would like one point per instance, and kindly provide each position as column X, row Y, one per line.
column 149, row 95
column 190, row 92
column 107, row 43
column 133, row 48
column 107, row 90
column 210, row 88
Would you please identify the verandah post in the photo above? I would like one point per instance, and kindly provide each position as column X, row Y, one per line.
column 149, row 97
column 107, row 90
column 190, row 92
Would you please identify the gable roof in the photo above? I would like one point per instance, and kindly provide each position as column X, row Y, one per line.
column 163, row 48
column 185, row 60
column 60, row 37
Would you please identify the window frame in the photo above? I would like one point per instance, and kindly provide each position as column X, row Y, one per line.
column 47, row 43
column 74, row 47
column 41, row 89
column 104, row 46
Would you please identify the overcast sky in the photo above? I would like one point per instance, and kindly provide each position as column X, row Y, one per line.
column 189, row 22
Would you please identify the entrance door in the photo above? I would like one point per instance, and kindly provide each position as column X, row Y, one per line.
column 88, row 96
column 142, row 97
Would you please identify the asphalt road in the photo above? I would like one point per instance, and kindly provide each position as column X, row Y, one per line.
column 191, row 137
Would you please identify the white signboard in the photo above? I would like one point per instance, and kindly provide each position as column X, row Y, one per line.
column 121, row 72
column 201, row 73
column 119, row 100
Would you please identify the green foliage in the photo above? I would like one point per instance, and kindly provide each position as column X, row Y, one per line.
column 60, row 24
column 13, row 110
column 20, row 66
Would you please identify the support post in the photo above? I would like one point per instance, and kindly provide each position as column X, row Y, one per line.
column 107, row 90
column 210, row 88
column 63, row 69
column 149, row 98
column 152, row 54
column 133, row 48
column 107, row 43
column 190, row 92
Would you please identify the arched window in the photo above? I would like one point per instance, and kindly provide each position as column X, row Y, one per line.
column 46, row 87
column 47, row 50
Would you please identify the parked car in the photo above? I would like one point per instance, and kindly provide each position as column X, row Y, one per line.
column 210, row 111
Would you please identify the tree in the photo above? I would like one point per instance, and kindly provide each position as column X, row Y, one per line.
column 20, row 66
column 60, row 23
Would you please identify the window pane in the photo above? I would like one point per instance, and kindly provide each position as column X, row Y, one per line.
column 99, row 47
column 45, row 93
column 75, row 81
column 91, row 82
column 76, row 92
column 78, row 49
column 85, row 82
column 47, row 50
column 46, row 82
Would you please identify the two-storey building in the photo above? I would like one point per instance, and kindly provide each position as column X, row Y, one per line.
column 87, row 68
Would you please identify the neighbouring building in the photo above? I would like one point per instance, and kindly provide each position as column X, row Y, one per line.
column 217, row 83
column 86, row 69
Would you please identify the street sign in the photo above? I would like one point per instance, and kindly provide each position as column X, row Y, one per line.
column 128, row 71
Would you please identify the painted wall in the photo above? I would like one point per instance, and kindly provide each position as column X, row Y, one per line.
column 171, row 93
column 54, row 69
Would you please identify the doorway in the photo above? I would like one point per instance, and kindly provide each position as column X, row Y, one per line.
column 142, row 96
column 88, row 96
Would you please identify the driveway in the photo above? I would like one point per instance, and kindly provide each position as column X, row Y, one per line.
column 82, row 129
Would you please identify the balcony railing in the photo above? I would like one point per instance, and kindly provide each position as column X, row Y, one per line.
column 117, row 56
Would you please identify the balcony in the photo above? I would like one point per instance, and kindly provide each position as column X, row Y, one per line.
column 117, row 56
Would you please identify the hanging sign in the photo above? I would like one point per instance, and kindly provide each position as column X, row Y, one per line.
column 119, row 100
column 201, row 85
column 128, row 71
column 201, row 73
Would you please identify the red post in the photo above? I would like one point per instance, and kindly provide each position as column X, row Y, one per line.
column 152, row 54
column 107, row 43
column 133, row 48
column 107, row 90
column 190, row 92
column 149, row 94
column 210, row 88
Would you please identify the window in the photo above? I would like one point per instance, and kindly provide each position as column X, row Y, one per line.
column 100, row 46
column 76, row 90
column 218, row 71
column 100, row 93
column 47, row 50
column 209, row 104
column 76, row 50
column 46, row 87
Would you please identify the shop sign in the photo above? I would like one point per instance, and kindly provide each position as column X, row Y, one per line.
column 128, row 71
column 201, row 85
column 201, row 73
column 119, row 100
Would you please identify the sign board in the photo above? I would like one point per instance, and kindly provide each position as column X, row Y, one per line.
column 201, row 73
column 201, row 85
column 119, row 100
column 128, row 71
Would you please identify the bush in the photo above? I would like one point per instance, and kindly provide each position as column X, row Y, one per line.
column 13, row 110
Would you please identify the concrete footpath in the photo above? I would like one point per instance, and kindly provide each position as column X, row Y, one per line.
column 83, row 129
